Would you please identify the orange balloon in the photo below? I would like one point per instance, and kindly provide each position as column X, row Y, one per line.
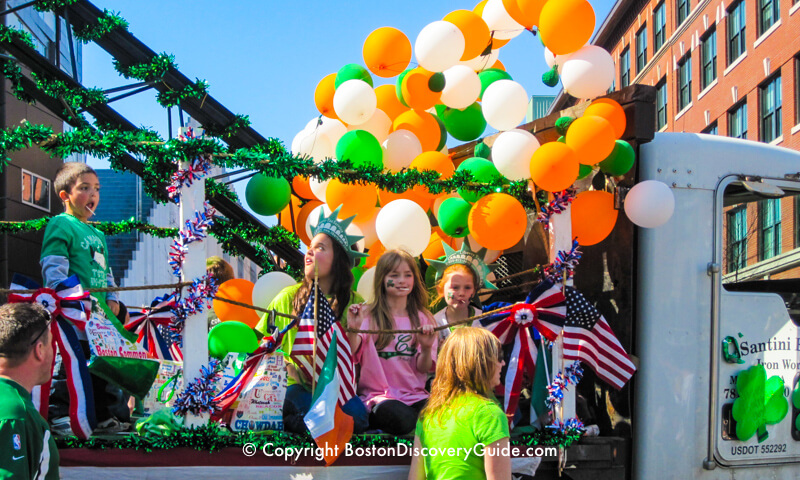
column 566, row 25
column 323, row 96
column 423, row 125
column 611, row 111
column 498, row 65
column 497, row 221
column 355, row 199
column 240, row 290
column 416, row 92
column 387, row 52
column 302, row 219
column 554, row 167
column 476, row 32
column 386, row 196
column 592, row 138
column 435, row 248
column 286, row 217
column 593, row 216
column 388, row 102
column 301, row 188
column 497, row 43
column 436, row 161
column 479, row 8
column 375, row 252
column 531, row 10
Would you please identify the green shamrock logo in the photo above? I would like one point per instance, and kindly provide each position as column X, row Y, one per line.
column 760, row 403
column 796, row 403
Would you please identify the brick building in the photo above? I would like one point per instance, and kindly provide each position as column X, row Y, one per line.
column 726, row 67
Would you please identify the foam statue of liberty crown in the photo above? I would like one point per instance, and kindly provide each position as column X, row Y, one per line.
column 465, row 256
column 337, row 230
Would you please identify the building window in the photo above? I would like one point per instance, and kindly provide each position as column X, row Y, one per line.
column 797, row 89
column 684, row 82
column 708, row 59
column 641, row 49
column 769, row 228
column 613, row 86
column 35, row 191
column 682, row 10
column 659, row 27
column 768, row 13
column 736, row 31
column 737, row 121
column 769, row 98
column 797, row 220
column 737, row 238
column 625, row 68
column 661, row 103
column 711, row 129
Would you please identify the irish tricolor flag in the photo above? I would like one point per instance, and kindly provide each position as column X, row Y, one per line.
column 327, row 423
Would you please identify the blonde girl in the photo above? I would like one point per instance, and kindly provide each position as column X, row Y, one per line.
column 458, row 286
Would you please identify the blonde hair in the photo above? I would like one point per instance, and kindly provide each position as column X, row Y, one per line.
column 379, row 308
column 466, row 365
column 218, row 268
column 448, row 272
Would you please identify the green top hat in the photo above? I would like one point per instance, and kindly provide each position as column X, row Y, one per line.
column 336, row 229
column 467, row 257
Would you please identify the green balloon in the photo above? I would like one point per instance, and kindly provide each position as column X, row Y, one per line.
column 436, row 82
column 231, row 336
column 361, row 148
column 267, row 195
column 562, row 124
column 482, row 171
column 453, row 215
column 584, row 171
column 562, row 139
column 796, row 398
column 442, row 132
column 491, row 75
column 352, row 71
column 357, row 273
column 482, row 150
column 620, row 160
column 465, row 125
column 430, row 277
column 398, row 87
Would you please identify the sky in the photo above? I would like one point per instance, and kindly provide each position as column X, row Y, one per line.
column 264, row 59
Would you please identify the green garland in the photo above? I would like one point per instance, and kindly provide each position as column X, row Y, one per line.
column 216, row 189
column 155, row 69
column 11, row 35
column 51, row 5
column 11, row 70
column 229, row 130
column 77, row 98
column 106, row 24
column 125, row 226
column 15, row 228
column 197, row 90
column 17, row 138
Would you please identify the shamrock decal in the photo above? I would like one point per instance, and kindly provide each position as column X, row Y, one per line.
column 760, row 403
column 796, row 403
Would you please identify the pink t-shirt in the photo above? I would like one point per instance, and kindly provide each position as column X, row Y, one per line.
column 391, row 373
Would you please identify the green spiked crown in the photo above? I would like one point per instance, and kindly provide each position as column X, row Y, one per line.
column 336, row 229
column 465, row 256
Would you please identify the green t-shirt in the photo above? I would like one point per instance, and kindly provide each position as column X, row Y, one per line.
column 469, row 420
column 27, row 449
column 283, row 303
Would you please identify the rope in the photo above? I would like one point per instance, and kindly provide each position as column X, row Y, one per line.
column 113, row 289
column 436, row 329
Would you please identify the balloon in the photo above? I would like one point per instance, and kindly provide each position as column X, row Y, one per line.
column 375, row 253
column 497, row 221
column 488, row 257
column 593, row 216
column 650, row 204
column 504, row 104
column 400, row 148
column 476, row 32
column 491, row 75
column 366, row 285
column 424, row 202
column 462, row 87
column 267, row 195
column 584, row 171
column 378, row 125
column 465, row 125
column 328, row 127
column 355, row 199
column 301, row 188
column 482, row 62
column 525, row 12
column 289, row 214
column 366, row 223
column 439, row 46
column 435, row 248
column 482, row 170
column 388, row 102
column 361, row 148
column 323, row 95
column 500, row 22
column 479, row 7
column 442, row 145
column 268, row 286
column 313, row 218
column 239, row 290
column 437, row 162
column 352, row 71
column 512, row 152
column 354, row 101
column 439, row 200
column 591, row 138
column 611, row 111
column 415, row 89
column 554, row 167
column 453, row 217
column 423, row 125
column 588, row 73
column 318, row 187
column 312, row 144
column 403, row 224
column 387, row 52
column 302, row 220
column 566, row 25
column 620, row 160
column 232, row 336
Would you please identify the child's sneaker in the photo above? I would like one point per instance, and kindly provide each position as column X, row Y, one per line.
column 111, row 425
column 60, row 427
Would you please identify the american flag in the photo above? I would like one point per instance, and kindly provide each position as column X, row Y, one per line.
column 588, row 338
column 303, row 349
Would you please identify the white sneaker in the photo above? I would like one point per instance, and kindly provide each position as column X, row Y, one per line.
column 60, row 427
column 111, row 425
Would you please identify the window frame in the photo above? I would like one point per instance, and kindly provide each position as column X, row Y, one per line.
column 661, row 86
column 684, row 92
column 659, row 17
column 682, row 10
column 771, row 6
column 738, row 261
column 775, row 229
column 710, row 35
column 641, row 53
column 46, row 190
column 736, row 110
column 711, row 129
column 739, row 39
column 774, row 123
column 797, row 88
column 625, row 61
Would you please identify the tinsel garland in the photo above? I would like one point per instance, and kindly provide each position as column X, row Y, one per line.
column 11, row 35
column 229, row 130
column 155, row 69
column 572, row 426
column 106, row 24
column 216, row 189
column 11, row 70
column 77, row 98
column 198, row 90
column 17, row 138
column 51, row 5
column 194, row 230
column 559, row 203
column 565, row 262
column 198, row 396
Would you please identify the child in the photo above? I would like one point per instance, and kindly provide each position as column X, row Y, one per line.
column 458, row 286
column 73, row 247
column 395, row 366
column 221, row 271
column 462, row 413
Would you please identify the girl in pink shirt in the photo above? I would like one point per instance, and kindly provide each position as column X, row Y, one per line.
column 395, row 366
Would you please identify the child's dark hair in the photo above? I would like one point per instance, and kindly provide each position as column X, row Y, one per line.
column 68, row 174
column 218, row 268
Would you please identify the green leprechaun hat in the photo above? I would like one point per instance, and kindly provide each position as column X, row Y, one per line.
column 336, row 229
column 465, row 256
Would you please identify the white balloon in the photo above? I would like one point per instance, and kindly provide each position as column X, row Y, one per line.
column 439, row 46
column 295, row 148
column 378, row 125
column 313, row 217
column 588, row 73
column 269, row 286
column 650, row 204
column 490, row 256
column 499, row 21
column 354, row 102
column 461, row 87
column 366, row 285
column 549, row 58
column 504, row 104
column 318, row 188
column 333, row 129
column 316, row 146
column 403, row 224
column 368, row 230
column 512, row 151
column 400, row 148
column 355, row 230
column 482, row 62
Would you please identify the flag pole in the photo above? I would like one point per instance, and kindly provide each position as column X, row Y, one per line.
column 314, row 355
